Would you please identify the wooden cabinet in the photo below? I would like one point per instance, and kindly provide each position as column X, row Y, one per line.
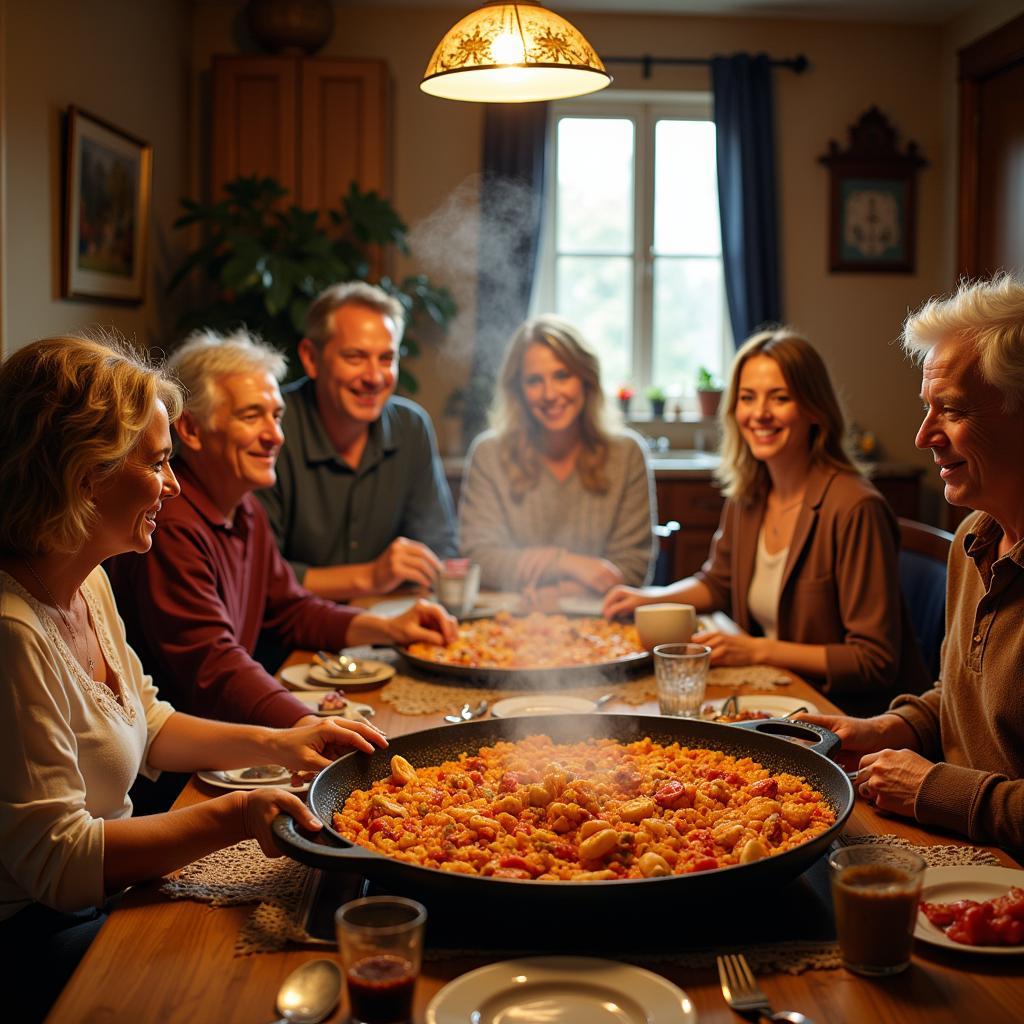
column 315, row 124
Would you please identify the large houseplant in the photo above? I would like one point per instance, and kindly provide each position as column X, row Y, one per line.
column 262, row 263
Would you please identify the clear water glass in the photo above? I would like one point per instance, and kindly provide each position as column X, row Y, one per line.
column 681, row 672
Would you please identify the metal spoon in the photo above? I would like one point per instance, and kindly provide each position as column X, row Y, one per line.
column 466, row 713
column 328, row 664
column 476, row 712
column 353, row 666
column 309, row 993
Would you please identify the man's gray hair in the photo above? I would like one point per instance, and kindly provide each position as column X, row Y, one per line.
column 987, row 314
column 206, row 356
column 319, row 319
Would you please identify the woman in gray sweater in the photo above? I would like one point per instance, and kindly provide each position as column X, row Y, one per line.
column 556, row 501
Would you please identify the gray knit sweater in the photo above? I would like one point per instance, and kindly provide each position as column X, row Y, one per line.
column 617, row 525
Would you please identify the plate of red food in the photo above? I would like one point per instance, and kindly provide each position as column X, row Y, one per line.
column 973, row 909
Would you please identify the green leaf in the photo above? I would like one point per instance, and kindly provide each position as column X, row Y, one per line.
column 261, row 262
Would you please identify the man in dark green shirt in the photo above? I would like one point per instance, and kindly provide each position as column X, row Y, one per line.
column 361, row 504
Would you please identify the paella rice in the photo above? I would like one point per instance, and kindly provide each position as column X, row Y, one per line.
column 534, row 641
column 596, row 809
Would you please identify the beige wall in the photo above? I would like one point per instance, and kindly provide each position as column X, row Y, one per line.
column 126, row 62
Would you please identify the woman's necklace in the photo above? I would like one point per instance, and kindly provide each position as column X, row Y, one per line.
column 775, row 527
column 66, row 619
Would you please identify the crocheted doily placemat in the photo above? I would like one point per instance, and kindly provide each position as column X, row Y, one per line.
column 239, row 875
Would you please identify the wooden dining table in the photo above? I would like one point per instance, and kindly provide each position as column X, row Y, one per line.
column 164, row 960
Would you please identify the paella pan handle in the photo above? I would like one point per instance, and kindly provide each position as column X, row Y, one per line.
column 818, row 738
column 292, row 842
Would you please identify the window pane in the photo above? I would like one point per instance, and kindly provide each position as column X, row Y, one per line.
column 595, row 185
column 689, row 306
column 685, row 189
column 595, row 294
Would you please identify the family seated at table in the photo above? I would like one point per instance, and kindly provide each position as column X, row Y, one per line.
column 806, row 551
column 805, row 557
column 360, row 504
column 556, row 501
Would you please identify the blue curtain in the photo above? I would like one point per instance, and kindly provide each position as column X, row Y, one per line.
column 511, row 200
column 745, row 130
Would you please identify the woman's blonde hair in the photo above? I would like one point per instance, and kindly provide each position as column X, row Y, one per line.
column 71, row 411
column 986, row 314
column 741, row 475
column 518, row 431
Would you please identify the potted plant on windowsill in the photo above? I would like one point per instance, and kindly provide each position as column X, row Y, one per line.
column 709, row 393
column 656, row 396
column 625, row 396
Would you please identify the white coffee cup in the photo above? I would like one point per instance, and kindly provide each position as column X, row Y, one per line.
column 665, row 624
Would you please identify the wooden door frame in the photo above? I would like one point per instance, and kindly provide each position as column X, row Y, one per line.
column 988, row 56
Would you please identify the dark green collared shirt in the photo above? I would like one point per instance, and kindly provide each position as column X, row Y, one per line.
column 324, row 513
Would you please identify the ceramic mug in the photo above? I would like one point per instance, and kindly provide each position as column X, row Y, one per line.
column 665, row 624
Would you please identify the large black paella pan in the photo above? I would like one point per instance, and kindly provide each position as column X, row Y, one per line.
column 432, row 746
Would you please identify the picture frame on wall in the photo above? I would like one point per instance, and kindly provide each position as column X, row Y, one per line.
column 873, row 199
column 107, row 193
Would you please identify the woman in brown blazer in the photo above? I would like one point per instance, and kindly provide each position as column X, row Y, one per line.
column 805, row 557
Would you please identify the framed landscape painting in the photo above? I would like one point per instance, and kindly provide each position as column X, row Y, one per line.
column 107, row 198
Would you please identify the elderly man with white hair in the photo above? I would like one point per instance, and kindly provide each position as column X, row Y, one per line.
column 954, row 757
column 195, row 605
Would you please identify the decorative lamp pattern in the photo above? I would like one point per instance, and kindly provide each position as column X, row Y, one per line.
column 513, row 53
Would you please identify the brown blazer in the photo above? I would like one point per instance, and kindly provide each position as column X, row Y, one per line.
column 840, row 586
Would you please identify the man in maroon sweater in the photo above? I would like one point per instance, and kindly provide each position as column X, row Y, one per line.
column 195, row 605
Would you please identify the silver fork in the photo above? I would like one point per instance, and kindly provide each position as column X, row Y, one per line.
column 744, row 995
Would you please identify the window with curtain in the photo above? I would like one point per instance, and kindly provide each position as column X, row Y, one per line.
column 631, row 249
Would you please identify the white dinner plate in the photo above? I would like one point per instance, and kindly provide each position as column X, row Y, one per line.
column 770, row 702
column 965, row 882
column 222, row 781
column 312, row 700
column 308, row 677
column 542, row 704
column 561, row 990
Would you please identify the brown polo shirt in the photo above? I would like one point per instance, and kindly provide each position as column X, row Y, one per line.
column 972, row 721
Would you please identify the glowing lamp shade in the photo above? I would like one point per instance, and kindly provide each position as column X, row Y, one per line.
column 513, row 53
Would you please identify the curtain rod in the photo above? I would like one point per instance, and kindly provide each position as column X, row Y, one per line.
column 798, row 64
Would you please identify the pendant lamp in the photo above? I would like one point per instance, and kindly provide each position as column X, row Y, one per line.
column 513, row 53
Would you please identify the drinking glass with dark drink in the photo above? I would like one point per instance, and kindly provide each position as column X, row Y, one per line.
column 875, row 891
column 380, row 939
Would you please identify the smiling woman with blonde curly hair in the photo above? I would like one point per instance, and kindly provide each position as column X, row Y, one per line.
column 556, row 500
column 84, row 469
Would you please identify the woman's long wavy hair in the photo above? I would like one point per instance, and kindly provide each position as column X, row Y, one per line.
column 71, row 411
column 520, row 434
column 741, row 475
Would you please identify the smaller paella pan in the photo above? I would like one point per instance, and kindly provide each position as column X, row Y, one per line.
column 537, row 649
